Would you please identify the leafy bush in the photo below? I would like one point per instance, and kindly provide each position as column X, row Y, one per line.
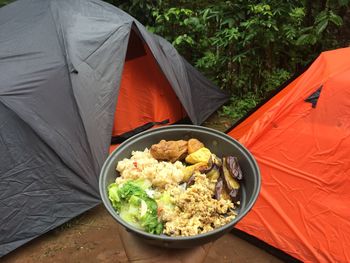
column 239, row 106
column 247, row 47
column 4, row 2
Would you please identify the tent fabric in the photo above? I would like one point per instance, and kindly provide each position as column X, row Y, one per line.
column 61, row 66
column 145, row 95
column 303, row 155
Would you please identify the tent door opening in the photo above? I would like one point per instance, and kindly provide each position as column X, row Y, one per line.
column 145, row 95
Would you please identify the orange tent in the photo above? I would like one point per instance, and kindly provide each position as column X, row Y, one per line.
column 151, row 95
column 145, row 95
column 301, row 141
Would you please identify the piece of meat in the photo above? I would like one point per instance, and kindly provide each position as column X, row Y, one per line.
column 169, row 150
column 194, row 145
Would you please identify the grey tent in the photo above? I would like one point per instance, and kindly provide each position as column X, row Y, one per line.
column 61, row 67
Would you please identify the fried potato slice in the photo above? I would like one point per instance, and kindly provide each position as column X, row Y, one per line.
column 194, row 145
column 201, row 155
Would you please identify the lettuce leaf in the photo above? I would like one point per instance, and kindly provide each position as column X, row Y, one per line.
column 135, row 206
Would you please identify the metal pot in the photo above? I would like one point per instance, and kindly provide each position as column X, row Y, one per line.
column 219, row 143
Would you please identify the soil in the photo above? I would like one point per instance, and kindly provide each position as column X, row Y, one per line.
column 93, row 237
column 220, row 123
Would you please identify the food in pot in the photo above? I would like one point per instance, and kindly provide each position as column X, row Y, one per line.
column 169, row 150
column 176, row 188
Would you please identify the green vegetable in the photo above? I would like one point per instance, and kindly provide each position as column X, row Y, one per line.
column 135, row 206
column 114, row 196
column 143, row 183
column 165, row 203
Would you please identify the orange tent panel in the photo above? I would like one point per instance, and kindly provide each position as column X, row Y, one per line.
column 304, row 158
column 145, row 95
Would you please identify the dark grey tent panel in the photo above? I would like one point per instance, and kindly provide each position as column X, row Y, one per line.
column 38, row 190
column 198, row 95
column 61, row 63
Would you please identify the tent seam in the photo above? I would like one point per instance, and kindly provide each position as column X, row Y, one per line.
column 65, row 55
column 192, row 116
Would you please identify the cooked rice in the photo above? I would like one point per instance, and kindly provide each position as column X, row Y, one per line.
column 142, row 165
column 195, row 210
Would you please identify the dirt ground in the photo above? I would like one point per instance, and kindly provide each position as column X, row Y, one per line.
column 93, row 237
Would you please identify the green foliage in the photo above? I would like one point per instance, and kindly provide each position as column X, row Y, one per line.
column 314, row 34
column 5, row 2
column 272, row 79
column 247, row 47
column 239, row 106
column 140, row 9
